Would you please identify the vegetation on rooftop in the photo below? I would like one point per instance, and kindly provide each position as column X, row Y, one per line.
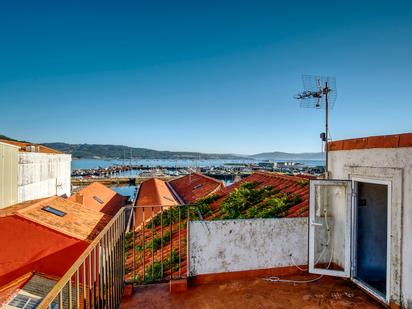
column 248, row 201
column 154, row 271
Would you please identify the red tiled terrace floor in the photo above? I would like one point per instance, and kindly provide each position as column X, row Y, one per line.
column 328, row 292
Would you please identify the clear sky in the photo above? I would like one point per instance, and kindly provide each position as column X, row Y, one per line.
column 211, row 76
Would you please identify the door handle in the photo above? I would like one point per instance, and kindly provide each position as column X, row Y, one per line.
column 315, row 223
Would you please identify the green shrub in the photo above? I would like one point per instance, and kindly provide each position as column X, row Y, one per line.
column 249, row 202
column 153, row 272
column 302, row 182
column 172, row 261
column 243, row 198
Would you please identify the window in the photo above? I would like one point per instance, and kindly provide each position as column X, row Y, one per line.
column 98, row 199
column 24, row 301
column 197, row 187
column 54, row 211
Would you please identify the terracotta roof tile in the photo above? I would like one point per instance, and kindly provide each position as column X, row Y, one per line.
column 35, row 247
column 78, row 221
column 192, row 187
column 100, row 198
column 23, row 145
column 287, row 184
column 384, row 141
column 154, row 192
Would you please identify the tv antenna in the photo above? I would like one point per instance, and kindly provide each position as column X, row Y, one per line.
column 320, row 93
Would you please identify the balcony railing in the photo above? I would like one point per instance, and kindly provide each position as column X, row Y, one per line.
column 156, row 243
column 140, row 245
column 95, row 280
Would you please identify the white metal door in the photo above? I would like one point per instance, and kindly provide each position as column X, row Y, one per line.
column 330, row 227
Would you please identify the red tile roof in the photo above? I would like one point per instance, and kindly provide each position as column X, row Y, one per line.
column 192, row 187
column 78, row 221
column 287, row 184
column 35, row 240
column 23, row 145
column 155, row 192
column 28, row 246
column 384, row 141
column 99, row 198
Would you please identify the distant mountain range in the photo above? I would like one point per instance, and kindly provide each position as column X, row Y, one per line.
column 288, row 156
column 98, row 151
column 120, row 152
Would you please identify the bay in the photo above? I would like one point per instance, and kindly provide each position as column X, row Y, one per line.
column 96, row 163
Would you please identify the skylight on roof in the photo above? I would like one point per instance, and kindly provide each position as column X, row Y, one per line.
column 54, row 211
column 99, row 200
column 24, row 301
column 197, row 187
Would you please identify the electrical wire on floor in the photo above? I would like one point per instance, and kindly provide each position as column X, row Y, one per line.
column 277, row 279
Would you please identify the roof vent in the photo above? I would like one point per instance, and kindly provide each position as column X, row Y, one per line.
column 31, row 148
column 98, row 199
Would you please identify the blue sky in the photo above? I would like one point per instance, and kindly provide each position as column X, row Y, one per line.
column 211, row 76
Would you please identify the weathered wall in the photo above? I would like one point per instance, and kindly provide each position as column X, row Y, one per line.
column 42, row 175
column 236, row 245
column 394, row 165
column 8, row 174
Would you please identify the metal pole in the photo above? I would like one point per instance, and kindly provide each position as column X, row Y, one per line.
column 327, row 130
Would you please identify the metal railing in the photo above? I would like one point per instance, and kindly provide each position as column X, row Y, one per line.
column 95, row 280
column 156, row 243
column 140, row 245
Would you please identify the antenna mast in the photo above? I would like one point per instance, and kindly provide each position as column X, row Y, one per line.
column 320, row 92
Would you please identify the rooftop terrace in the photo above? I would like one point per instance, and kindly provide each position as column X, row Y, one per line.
column 328, row 292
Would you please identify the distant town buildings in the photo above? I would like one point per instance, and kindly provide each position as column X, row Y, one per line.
column 41, row 172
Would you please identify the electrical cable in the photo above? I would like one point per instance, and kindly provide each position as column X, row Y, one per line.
column 277, row 279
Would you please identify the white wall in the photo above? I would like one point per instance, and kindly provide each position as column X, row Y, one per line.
column 394, row 165
column 8, row 174
column 42, row 175
column 246, row 244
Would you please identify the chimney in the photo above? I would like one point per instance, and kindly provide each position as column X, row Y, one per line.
column 237, row 179
column 79, row 198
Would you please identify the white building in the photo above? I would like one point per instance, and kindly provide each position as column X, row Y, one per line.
column 360, row 226
column 365, row 209
column 9, row 155
column 42, row 171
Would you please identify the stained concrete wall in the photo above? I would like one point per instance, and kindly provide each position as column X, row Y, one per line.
column 393, row 165
column 8, row 174
column 237, row 245
column 42, row 175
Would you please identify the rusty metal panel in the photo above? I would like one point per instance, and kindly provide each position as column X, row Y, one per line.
column 9, row 157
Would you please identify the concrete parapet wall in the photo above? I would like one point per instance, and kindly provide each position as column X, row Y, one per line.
column 246, row 244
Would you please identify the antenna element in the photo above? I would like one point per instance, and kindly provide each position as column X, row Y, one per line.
column 320, row 93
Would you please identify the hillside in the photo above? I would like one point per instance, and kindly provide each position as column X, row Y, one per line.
column 288, row 156
column 119, row 152
column 99, row 151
